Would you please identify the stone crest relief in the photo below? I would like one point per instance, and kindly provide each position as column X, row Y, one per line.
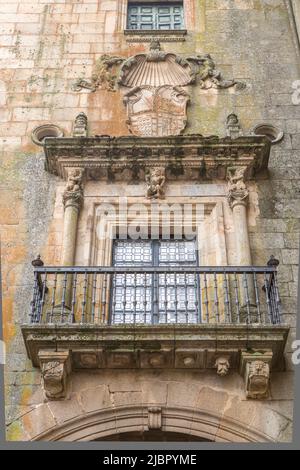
column 157, row 111
column 155, row 87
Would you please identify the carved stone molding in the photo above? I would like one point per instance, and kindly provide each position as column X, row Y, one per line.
column 80, row 125
column 154, row 418
column 55, row 369
column 73, row 194
column 238, row 193
column 155, row 180
column 255, row 368
column 233, row 126
column 222, row 365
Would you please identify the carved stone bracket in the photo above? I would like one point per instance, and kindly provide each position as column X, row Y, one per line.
column 238, row 193
column 255, row 369
column 154, row 418
column 155, row 179
column 73, row 194
column 55, row 368
column 222, row 365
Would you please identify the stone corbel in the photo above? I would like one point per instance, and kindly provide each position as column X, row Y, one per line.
column 255, row 368
column 55, row 368
column 222, row 365
column 154, row 418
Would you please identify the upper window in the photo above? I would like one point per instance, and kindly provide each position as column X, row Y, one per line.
column 155, row 16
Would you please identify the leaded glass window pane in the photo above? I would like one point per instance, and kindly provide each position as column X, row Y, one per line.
column 155, row 298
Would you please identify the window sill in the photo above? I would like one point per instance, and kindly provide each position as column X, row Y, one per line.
column 147, row 35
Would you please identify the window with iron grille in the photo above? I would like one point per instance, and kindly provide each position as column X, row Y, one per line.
column 155, row 298
column 155, row 16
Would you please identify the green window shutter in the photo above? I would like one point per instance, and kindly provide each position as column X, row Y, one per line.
column 155, row 16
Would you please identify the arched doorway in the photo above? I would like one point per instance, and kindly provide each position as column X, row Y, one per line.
column 130, row 423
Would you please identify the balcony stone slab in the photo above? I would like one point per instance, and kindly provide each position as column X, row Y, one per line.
column 156, row 346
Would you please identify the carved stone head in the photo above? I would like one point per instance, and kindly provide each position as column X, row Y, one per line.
column 222, row 365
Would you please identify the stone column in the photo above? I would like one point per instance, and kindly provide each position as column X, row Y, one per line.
column 72, row 200
column 238, row 197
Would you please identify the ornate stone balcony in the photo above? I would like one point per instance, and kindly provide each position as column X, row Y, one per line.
column 191, row 318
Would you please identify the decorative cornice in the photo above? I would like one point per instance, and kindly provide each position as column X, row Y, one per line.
column 183, row 157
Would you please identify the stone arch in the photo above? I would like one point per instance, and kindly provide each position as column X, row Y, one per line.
column 105, row 424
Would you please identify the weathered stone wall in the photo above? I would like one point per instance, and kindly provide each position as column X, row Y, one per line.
column 45, row 47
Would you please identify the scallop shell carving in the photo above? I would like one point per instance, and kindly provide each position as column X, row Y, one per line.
column 167, row 71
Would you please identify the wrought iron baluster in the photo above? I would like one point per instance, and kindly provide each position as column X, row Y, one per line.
column 125, row 298
column 206, row 301
column 63, row 301
column 217, row 312
column 114, row 299
column 237, row 301
column 74, row 288
column 84, row 298
column 104, row 296
column 35, row 299
column 94, row 293
column 186, row 302
column 134, row 297
column 43, row 290
column 227, row 299
column 247, row 300
column 145, row 298
column 197, row 303
column 277, row 299
column 176, row 298
column 53, row 297
column 268, row 300
column 165, row 287
column 155, row 282
column 257, row 299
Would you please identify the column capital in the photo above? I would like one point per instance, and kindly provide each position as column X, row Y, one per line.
column 238, row 193
column 73, row 193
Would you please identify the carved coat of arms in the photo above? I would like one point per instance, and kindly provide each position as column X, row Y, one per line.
column 155, row 87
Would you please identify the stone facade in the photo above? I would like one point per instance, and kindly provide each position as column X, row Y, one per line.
column 50, row 73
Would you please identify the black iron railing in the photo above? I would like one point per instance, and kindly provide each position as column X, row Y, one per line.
column 150, row 295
